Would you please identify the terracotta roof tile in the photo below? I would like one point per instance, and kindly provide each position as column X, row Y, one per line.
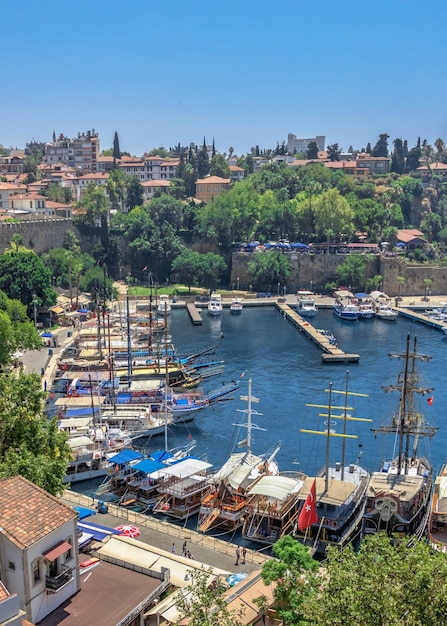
column 211, row 180
column 28, row 513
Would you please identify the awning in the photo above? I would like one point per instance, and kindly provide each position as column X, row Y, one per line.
column 125, row 456
column 57, row 550
column 57, row 309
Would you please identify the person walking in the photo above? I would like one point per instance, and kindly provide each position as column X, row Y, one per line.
column 238, row 554
column 244, row 552
column 184, row 548
column 173, row 550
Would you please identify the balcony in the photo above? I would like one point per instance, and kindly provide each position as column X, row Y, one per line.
column 55, row 583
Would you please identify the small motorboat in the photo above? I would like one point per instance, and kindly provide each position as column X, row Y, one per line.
column 236, row 306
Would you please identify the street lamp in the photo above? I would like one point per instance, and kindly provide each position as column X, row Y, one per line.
column 279, row 284
column 54, row 280
column 35, row 309
column 237, row 279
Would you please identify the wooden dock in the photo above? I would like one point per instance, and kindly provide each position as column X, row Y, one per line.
column 422, row 319
column 194, row 313
column 331, row 353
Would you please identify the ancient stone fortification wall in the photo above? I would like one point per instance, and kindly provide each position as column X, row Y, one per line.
column 39, row 235
column 313, row 271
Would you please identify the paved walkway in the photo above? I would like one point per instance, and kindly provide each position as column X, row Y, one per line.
column 207, row 549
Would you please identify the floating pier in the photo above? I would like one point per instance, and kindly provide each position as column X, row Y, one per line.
column 194, row 313
column 421, row 318
column 331, row 353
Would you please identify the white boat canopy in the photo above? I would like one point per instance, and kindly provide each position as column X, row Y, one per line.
column 277, row 487
column 185, row 468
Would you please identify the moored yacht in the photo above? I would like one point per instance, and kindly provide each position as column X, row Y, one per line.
column 305, row 305
column 215, row 304
column 345, row 306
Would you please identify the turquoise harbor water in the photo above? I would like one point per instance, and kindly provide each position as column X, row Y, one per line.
column 287, row 373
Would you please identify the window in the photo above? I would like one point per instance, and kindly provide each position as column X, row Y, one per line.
column 68, row 554
column 11, row 566
column 36, row 570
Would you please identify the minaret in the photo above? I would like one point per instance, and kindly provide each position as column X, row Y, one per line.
column 54, row 136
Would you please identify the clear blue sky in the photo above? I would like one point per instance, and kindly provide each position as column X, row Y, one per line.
column 243, row 72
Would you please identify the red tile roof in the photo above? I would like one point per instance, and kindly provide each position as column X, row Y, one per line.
column 28, row 513
column 156, row 183
column 212, row 180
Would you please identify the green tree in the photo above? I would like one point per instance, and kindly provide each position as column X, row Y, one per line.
column 333, row 152
column 96, row 205
column 312, row 150
column 24, row 275
column 203, row 161
column 116, row 147
column 381, row 147
column 333, row 216
column 352, row 271
column 294, row 575
column 213, row 268
column 188, row 268
column 219, row 166
column 116, row 188
column 384, row 583
column 135, row 193
column 30, row 444
column 204, row 603
column 30, row 169
column 267, row 269
column 397, row 157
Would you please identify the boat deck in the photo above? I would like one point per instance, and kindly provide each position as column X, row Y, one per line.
column 331, row 352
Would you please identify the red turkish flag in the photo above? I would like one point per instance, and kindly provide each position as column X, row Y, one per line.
column 308, row 515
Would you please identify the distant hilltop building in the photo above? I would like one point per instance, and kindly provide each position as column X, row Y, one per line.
column 296, row 145
column 81, row 153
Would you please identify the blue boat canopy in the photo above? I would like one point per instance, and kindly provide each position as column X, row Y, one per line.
column 362, row 295
column 125, row 456
column 161, row 455
column 148, row 466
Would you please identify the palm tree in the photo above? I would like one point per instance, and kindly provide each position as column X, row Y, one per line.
column 427, row 283
column 400, row 282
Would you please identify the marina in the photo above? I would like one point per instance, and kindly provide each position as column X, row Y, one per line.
column 212, row 431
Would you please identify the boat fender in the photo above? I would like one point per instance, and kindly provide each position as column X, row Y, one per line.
column 334, row 524
column 166, row 507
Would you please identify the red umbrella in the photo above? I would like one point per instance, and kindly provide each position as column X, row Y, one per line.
column 128, row 531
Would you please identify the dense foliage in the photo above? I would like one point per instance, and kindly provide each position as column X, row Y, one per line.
column 30, row 444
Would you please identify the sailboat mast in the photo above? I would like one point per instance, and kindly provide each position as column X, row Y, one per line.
column 403, row 406
column 345, row 415
column 328, row 439
column 150, row 313
column 166, row 379
column 249, row 417
column 129, row 351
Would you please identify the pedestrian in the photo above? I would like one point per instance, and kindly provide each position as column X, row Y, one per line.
column 188, row 554
column 184, row 549
column 244, row 552
column 173, row 550
column 238, row 554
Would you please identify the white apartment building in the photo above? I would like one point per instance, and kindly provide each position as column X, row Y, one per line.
column 81, row 152
column 299, row 145
column 38, row 546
